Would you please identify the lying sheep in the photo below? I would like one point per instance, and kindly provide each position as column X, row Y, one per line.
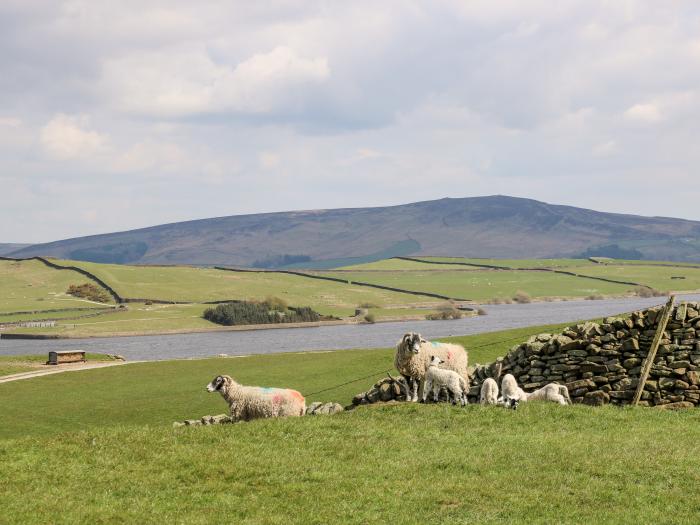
column 437, row 378
column 489, row 392
column 552, row 392
column 413, row 354
column 254, row 402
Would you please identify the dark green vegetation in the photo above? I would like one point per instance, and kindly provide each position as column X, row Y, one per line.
column 89, row 291
column 97, row 447
column 495, row 226
column 231, row 314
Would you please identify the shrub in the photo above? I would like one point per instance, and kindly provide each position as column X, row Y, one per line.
column 88, row 291
column 367, row 306
column 644, row 291
column 481, row 311
column 521, row 297
column 276, row 303
column 370, row 318
column 240, row 313
column 595, row 297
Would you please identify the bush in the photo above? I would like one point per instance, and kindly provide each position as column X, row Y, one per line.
column 276, row 303
column 367, row 306
column 595, row 297
column 644, row 291
column 370, row 318
column 521, row 297
column 241, row 313
column 481, row 311
column 89, row 291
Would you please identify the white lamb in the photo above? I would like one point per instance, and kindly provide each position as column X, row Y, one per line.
column 511, row 393
column 437, row 378
column 413, row 354
column 489, row 392
column 254, row 402
column 552, row 392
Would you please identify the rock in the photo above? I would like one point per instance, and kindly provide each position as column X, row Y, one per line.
column 583, row 383
column 693, row 377
column 596, row 398
column 327, row 409
column 676, row 406
column 373, row 395
column 386, row 392
column 666, row 383
column 192, row 422
column 312, row 407
column 631, row 362
column 359, row 399
column 178, row 424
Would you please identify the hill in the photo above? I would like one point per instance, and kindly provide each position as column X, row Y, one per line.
column 6, row 248
column 496, row 226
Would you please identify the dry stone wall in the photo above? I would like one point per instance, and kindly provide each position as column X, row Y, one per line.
column 601, row 363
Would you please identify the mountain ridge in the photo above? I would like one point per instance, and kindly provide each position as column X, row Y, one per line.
column 492, row 226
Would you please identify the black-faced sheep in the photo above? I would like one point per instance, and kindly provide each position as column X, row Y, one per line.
column 254, row 402
column 413, row 354
column 437, row 378
column 489, row 392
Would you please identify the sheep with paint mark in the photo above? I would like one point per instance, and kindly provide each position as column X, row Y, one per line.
column 254, row 402
column 437, row 378
column 489, row 392
column 413, row 355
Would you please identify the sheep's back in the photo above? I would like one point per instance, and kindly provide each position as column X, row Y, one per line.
column 454, row 356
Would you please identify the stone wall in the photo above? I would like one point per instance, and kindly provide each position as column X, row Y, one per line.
column 601, row 363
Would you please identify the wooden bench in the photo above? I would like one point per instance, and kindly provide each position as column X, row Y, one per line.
column 66, row 356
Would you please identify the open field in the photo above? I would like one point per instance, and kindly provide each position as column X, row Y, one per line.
column 25, row 363
column 105, row 452
column 514, row 263
column 487, row 284
column 659, row 277
column 31, row 285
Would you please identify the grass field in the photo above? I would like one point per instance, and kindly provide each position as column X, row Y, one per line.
column 15, row 364
column 31, row 285
column 516, row 263
column 96, row 446
column 487, row 284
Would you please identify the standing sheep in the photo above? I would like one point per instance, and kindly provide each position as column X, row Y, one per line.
column 489, row 392
column 254, row 402
column 413, row 354
column 437, row 378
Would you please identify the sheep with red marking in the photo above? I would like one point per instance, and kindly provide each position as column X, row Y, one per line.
column 413, row 355
column 254, row 402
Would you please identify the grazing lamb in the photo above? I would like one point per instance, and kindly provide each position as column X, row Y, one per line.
column 413, row 354
column 254, row 402
column 510, row 391
column 552, row 392
column 437, row 378
column 489, row 392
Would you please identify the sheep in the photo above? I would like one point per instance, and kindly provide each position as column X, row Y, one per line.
column 510, row 391
column 413, row 354
column 436, row 378
column 552, row 392
column 489, row 392
column 254, row 402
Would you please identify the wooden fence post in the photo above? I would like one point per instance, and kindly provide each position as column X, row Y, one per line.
column 651, row 355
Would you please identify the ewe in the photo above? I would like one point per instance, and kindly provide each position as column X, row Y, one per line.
column 253, row 402
column 489, row 392
column 413, row 354
column 437, row 378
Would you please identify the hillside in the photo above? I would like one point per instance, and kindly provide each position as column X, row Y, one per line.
column 496, row 226
column 6, row 248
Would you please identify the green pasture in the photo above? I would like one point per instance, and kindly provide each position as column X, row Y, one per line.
column 97, row 446
column 514, row 263
column 658, row 277
column 191, row 284
column 488, row 284
column 15, row 364
column 31, row 285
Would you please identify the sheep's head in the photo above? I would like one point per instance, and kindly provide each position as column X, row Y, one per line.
column 436, row 361
column 219, row 383
column 411, row 342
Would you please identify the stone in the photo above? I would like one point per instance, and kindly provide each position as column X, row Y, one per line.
column 312, row 408
column 693, row 377
column 192, row 422
column 631, row 344
column 631, row 362
column 583, row 383
column 652, row 386
column 596, row 368
column 386, row 392
column 599, row 380
column 679, row 364
column 328, row 409
column 359, row 399
column 596, row 398
column 676, row 406
column 178, row 424
column 373, row 395
column 666, row 383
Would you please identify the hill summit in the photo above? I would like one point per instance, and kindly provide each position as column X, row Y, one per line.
column 494, row 226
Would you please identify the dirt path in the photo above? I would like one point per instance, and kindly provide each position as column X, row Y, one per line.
column 47, row 370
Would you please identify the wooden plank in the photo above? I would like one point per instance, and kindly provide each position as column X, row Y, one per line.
column 646, row 368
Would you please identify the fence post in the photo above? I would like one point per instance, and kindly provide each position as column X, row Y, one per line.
column 660, row 329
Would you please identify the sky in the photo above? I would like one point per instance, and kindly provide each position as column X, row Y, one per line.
column 119, row 115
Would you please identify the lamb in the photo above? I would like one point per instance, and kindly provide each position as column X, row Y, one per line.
column 489, row 392
column 413, row 354
column 552, row 392
column 436, row 378
column 511, row 393
column 253, row 402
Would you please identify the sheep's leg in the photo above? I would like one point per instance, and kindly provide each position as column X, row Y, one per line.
column 426, row 387
column 408, row 381
column 416, row 384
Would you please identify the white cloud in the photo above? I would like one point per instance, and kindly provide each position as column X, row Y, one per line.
column 189, row 82
column 643, row 113
column 68, row 137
